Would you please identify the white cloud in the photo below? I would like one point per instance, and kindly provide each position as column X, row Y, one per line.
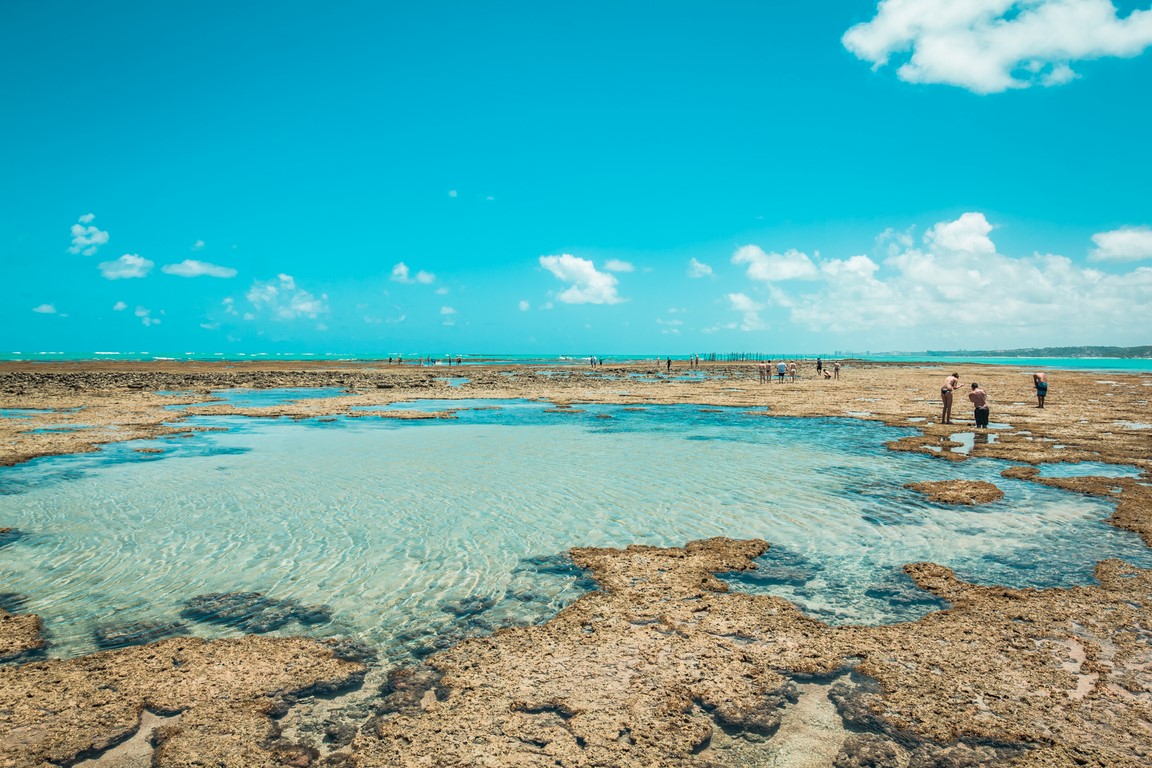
column 45, row 309
column 750, row 309
column 193, row 268
column 452, row 193
column 145, row 316
column 447, row 311
column 770, row 267
column 955, row 290
column 1124, row 244
column 128, row 266
column 989, row 46
column 401, row 274
column 284, row 300
column 698, row 269
column 86, row 238
column 524, row 306
column 588, row 285
column 967, row 234
column 119, row 306
column 616, row 265
column 198, row 245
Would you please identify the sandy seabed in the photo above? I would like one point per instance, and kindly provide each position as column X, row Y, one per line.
column 663, row 665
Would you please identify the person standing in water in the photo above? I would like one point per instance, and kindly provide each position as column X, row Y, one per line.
column 1040, row 380
column 979, row 399
column 951, row 384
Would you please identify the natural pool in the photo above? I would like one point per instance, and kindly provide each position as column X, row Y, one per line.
column 414, row 533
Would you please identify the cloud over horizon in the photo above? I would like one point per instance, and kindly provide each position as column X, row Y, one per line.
column 956, row 285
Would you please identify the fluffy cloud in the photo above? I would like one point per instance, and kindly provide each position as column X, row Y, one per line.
column 524, row 305
column 750, row 311
column 588, row 285
column 447, row 311
column 45, row 309
column 127, row 266
column 401, row 274
column 86, row 238
column 616, row 265
column 119, row 306
column 967, row 234
column 954, row 289
column 771, row 267
column 1125, row 244
column 698, row 269
column 193, row 268
column 989, row 46
column 284, row 300
column 198, row 245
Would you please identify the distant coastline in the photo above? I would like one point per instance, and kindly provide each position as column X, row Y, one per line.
column 1089, row 351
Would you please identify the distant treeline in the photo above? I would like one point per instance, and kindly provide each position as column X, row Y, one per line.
column 1050, row 352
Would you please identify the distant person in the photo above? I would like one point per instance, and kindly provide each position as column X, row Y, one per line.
column 459, row 359
column 1040, row 380
column 781, row 369
column 951, row 384
column 668, row 368
column 836, row 370
column 827, row 374
column 762, row 368
column 979, row 399
column 792, row 371
column 819, row 365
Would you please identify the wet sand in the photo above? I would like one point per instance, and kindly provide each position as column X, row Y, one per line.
column 663, row 665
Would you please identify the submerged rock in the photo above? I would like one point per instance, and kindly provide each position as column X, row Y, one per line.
column 252, row 612
column 13, row 602
column 138, row 633
column 468, row 606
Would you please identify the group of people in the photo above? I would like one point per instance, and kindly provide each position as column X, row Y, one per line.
column 789, row 369
column 979, row 397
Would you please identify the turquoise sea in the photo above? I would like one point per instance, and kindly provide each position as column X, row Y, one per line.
column 440, row 358
column 406, row 535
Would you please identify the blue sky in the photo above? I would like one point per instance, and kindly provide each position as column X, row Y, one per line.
column 594, row 177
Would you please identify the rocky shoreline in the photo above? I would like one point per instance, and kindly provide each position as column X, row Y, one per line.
column 664, row 665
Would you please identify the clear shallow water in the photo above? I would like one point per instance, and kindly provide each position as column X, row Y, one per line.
column 262, row 398
column 414, row 533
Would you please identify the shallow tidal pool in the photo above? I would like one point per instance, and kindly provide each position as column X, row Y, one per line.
column 405, row 535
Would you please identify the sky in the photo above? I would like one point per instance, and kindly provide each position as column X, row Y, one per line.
column 586, row 178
